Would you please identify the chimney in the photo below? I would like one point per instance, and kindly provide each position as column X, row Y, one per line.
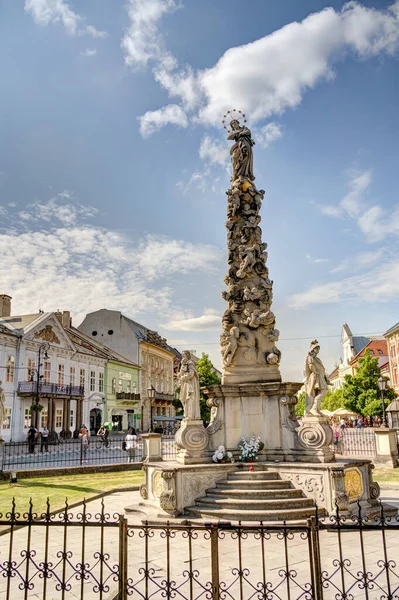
column 66, row 319
column 58, row 314
column 5, row 305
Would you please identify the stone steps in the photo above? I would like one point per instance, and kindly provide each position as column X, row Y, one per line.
column 254, row 505
column 253, row 496
column 255, row 485
column 222, row 514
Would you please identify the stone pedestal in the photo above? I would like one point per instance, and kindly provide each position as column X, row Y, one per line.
column 152, row 447
column 315, row 437
column 387, row 448
column 192, row 439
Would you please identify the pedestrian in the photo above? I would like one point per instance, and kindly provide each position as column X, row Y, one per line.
column 131, row 444
column 342, row 424
column 337, row 435
column 44, row 433
column 84, row 436
column 103, row 432
column 31, row 436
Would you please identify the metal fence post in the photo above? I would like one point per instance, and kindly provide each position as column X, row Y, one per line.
column 315, row 561
column 122, row 558
column 215, row 561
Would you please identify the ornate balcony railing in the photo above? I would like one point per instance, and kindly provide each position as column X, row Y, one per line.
column 162, row 396
column 49, row 389
column 127, row 396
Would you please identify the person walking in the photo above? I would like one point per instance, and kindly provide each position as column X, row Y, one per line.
column 103, row 432
column 44, row 433
column 31, row 437
column 131, row 444
column 84, row 437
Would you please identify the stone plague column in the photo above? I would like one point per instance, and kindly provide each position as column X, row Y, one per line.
column 252, row 397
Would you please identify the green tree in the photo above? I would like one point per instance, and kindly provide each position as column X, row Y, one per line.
column 361, row 392
column 207, row 377
column 300, row 405
column 333, row 400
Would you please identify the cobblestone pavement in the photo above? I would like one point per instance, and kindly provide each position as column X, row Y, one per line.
column 243, row 568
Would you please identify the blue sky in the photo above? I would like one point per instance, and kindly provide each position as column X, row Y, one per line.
column 114, row 163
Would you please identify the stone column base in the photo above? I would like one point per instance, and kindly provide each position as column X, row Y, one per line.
column 315, row 437
column 192, row 439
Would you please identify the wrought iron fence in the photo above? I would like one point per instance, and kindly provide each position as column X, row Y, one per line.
column 357, row 442
column 21, row 456
column 75, row 554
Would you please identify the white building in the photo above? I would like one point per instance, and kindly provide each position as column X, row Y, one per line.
column 71, row 380
column 145, row 347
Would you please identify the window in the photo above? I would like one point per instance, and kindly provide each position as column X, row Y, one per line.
column 380, row 352
column 71, row 418
column 395, row 376
column 27, row 418
column 58, row 418
column 113, row 385
column 101, row 382
column 47, row 372
column 61, row 374
column 31, row 368
column 142, row 358
column 128, row 386
column 164, row 412
column 10, row 369
column 7, row 418
column 44, row 418
column 92, row 381
column 82, row 377
column 120, row 386
column 72, row 376
column 372, row 352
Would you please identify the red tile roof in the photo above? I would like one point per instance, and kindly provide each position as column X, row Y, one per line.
column 374, row 346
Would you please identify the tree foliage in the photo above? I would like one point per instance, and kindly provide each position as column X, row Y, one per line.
column 300, row 405
column 361, row 392
column 207, row 377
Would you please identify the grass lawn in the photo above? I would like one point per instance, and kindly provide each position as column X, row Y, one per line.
column 73, row 487
column 386, row 475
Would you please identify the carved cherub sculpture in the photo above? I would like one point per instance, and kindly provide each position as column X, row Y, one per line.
column 248, row 260
column 229, row 343
column 256, row 318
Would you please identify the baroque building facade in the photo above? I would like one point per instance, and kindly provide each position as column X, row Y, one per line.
column 392, row 337
column 157, row 360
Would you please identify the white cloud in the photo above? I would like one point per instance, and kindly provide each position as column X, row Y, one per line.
column 270, row 75
column 209, row 321
column 214, row 151
column 377, row 285
column 352, row 203
column 376, row 224
column 53, row 210
column 84, row 268
column 143, row 42
column 45, row 12
column 268, row 134
column 360, row 261
column 316, row 261
column 88, row 52
column 154, row 120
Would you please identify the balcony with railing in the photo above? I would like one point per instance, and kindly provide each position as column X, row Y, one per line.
column 163, row 396
column 28, row 388
column 127, row 396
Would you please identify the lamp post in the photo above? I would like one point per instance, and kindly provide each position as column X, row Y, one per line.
column 382, row 384
column 42, row 348
column 151, row 395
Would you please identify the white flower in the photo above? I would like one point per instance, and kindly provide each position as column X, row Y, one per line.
column 230, row 455
column 221, row 449
column 220, row 455
column 214, row 458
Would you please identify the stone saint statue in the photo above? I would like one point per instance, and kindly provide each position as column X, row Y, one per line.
column 241, row 152
column 316, row 383
column 189, row 387
column 2, row 408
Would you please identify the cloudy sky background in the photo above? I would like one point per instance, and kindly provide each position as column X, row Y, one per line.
column 114, row 163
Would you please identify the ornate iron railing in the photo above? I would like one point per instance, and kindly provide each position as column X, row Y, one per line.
column 58, row 453
column 30, row 387
column 127, row 396
column 357, row 442
column 72, row 553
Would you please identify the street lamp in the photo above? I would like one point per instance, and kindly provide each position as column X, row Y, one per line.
column 42, row 348
column 382, row 384
column 151, row 395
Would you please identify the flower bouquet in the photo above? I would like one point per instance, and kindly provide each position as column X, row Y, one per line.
column 249, row 448
column 36, row 407
column 221, row 456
